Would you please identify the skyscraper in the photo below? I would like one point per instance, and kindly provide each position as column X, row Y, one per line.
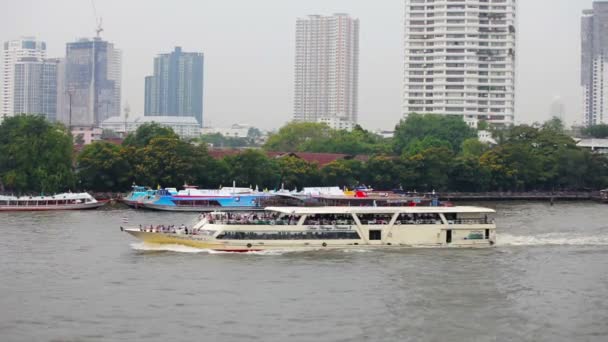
column 93, row 82
column 14, row 50
column 176, row 88
column 594, row 64
column 35, row 87
column 327, row 69
column 460, row 59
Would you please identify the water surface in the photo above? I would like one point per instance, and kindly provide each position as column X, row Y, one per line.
column 73, row 276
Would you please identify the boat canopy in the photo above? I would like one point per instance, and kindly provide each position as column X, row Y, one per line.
column 379, row 210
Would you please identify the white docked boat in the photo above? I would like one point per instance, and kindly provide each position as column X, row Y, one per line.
column 66, row 201
column 305, row 228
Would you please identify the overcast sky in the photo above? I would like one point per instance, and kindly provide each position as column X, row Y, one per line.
column 249, row 50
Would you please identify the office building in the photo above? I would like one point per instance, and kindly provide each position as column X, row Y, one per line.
column 13, row 51
column 176, row 88
column 35, row 87
column 92, row 82
column 460, row 59
column 327, row 69
column 594, row 64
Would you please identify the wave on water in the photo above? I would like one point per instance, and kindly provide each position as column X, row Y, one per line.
column 552, row 239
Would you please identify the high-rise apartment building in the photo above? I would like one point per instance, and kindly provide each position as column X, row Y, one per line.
column 594, row 64
column 35, row 87
column 13, row 51
column 176, row 88
column 460, row 59
column 92, row 82
column 327, row 69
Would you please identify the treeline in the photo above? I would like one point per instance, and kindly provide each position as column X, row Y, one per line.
column 428, row 152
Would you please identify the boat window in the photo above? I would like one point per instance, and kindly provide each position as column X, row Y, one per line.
column 258, row 218
column 329, row 219
column 375, row 235
column 301, row 235
column 468, row 218
column 375, row 218
column 417, row 218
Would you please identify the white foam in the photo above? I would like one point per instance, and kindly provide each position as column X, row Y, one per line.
column 552, row 239
column 142, row 246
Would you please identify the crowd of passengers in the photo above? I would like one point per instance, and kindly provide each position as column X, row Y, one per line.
column 252, row 218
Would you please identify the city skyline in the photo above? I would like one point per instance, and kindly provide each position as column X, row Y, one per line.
column 250, row 80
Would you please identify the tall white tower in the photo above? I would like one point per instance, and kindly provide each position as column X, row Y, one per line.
column 327, row 69
column 12, row 52
column 460, row 59
column 594, row 64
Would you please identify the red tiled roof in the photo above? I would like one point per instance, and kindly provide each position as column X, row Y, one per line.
column 320, row 159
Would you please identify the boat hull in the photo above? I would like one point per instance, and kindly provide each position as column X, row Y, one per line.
column 82, row 206
column 202, row 242
column 199, row 209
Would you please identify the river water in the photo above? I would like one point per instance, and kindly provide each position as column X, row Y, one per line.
column 73, row 276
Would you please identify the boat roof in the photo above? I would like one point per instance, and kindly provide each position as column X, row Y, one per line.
column 377, row 210
column 69, row 196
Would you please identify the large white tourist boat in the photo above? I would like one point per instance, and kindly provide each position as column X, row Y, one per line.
column 66, row 201
column 305, row 228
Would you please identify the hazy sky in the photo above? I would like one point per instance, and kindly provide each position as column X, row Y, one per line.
column 249, row 50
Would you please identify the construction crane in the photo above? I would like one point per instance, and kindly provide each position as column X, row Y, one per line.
column 98, row 20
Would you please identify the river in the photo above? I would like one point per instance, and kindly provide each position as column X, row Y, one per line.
column 73, row 276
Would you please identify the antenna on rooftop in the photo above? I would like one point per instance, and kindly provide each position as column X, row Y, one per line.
column 98, row 20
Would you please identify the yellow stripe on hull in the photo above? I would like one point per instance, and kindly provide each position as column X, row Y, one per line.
column 174, row 239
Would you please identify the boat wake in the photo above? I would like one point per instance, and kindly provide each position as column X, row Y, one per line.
column 552, row 239
column 142, row 246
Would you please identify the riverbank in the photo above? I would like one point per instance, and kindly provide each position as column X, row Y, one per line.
column 468, row 196
column 522, row 196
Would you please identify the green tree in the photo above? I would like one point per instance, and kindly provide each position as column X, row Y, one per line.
column 146, row 132
column 253, row 167
column 472, row 147
column 102, row 167
column 596, row 131
column 418, row 145
column 292, row 136
column 383, row 172
column 429, row 169
column 451, row 129
column 297, row 173
column 35, row 155
column 166, row 161
column 343, row 173
column 467, row 174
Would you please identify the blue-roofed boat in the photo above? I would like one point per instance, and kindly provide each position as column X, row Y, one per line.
column 201, row 200
column 142, row 194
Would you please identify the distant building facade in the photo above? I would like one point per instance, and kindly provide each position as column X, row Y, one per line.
column 234, row 131
column 12, row 52
column 35, row 86
column 460, row 59
column 558, row 109
column 176, row 88
column 327, row 69
column 337, row 123
column 594, row 64
column 93, row 73
column 184, row 126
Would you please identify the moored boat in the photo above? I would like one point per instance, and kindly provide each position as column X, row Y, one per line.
column 298, row 228
column 205, row 200
column 65, row 201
